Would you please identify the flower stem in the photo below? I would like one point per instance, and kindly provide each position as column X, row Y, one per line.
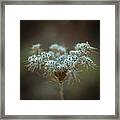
column 61, row 91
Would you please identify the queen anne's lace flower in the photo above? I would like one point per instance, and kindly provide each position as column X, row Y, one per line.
column 60, row 64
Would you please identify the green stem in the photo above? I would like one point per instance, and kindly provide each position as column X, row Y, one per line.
column 61, row 91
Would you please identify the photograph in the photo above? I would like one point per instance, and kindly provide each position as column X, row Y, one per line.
column 59, row 59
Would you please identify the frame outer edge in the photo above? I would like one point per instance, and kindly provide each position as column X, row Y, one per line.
column 2, row 59
column 117, row 25
column 2, row 55
column 118, row 94
column 59, row 2
column 0, row 67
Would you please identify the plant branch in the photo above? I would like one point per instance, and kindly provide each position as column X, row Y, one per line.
column 61, row 91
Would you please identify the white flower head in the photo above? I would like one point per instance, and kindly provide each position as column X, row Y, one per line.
column 59, row 61
column 54, row 47
column 58, row 49
column 82, row 46
column 37, row 46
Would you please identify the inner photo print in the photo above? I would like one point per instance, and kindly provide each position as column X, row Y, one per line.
column 60, row 60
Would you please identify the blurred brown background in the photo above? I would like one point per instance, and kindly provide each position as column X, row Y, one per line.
column 63, row 32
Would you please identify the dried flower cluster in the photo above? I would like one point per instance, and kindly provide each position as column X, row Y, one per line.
column 58, row 64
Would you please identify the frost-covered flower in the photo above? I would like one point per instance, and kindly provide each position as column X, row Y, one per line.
column 36, row 48
column 84, row 48
column 54, row 46
column 81, row 46
column 58, row 49
column 58, row 62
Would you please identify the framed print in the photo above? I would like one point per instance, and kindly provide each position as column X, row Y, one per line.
column 60, row 59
